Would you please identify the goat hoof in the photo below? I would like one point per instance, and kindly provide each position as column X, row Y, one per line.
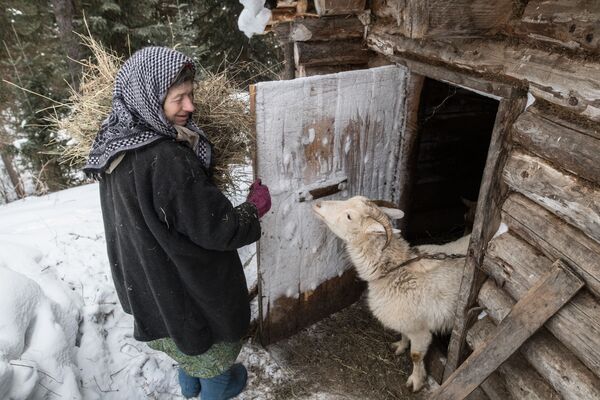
column 414, row 383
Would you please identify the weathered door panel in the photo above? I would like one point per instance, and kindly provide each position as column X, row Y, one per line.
column 330, row 136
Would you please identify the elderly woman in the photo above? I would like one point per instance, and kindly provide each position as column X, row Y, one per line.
column 172, row 236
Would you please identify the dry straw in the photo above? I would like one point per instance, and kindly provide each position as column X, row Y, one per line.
column 222, row 111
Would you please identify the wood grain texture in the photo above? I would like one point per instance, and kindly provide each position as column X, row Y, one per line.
column 521, row 381
column 565, row 195
column 572, row 24
column 574, row 150
column 552, row 360
column 571, row 83
column 554, row 238
column 542, row 301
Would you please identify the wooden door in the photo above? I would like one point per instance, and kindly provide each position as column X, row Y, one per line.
column 331, row 137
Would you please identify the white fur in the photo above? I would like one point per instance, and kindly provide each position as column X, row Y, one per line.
column 415, row 300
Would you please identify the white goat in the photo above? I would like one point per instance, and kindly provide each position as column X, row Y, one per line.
column 410, row 292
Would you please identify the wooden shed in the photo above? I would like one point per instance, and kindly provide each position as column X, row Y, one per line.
column 426, row 103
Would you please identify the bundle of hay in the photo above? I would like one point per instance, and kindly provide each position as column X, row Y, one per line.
column 221, row 111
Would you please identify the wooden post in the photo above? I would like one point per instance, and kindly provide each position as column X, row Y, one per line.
column 410, row 140
column 487, row 219
column 541, row 302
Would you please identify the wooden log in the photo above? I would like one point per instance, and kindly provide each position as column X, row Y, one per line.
column 522, row 382
column 571, row 24
column 487, row 219
column 554, row 237
column 473, row 83
column 516, row 266
column 339, row 7
column 564, row 195
column 418, row 19
column 335, row 28
column 551, row 359
column 574, row 150
column 541, row 302
column 495, row 387
column 571, row 83
column 312, row 54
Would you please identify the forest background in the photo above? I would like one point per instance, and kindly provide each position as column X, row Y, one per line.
column 39, row 57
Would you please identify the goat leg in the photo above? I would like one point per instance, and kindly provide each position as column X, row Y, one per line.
column 419, row 343
column 401, row 345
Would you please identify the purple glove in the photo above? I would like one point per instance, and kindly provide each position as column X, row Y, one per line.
column 260, row 197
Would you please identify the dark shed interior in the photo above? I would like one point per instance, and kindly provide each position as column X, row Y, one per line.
column 455, row 127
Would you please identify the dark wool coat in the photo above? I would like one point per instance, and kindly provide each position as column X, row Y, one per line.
column 172, row 238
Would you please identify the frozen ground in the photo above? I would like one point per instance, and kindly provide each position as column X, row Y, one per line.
column 63, row 334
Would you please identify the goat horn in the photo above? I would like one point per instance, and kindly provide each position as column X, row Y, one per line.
column 380, row 217
column 384, row 203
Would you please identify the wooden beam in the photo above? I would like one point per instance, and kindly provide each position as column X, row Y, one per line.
column 571, row 83
column 551, row 359
column 572, row 24
column 521, row 381
column 418, row 19
column 335, row 28
column 555, row 238
column 487, row 219
column 541, row 302
column 312, row 54
column 458, row 78
column 339, row 7
column 516, row 266
column 577, row 151
column 409, row 145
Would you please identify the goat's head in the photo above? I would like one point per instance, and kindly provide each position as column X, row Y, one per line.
column 356, row 216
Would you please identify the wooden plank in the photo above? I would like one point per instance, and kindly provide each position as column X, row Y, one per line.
column 310, row 54
column 541, row 302
column 571, row 149
column 341, row 121
column 471, row 82
column 339, row 7
column 572, row 24
column 335, row 28
column 564, row 195
column 516, row 266
column 521, row 381
column 570, row 82
column 487, row 219
column 551, row 359
column 554, row 237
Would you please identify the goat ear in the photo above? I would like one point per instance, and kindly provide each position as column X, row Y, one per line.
column 376, row 227
column 389, row 208
column 393, row 213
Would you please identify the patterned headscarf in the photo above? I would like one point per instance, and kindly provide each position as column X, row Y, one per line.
column 137, row 117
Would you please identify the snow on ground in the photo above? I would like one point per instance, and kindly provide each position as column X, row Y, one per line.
column 63, row 333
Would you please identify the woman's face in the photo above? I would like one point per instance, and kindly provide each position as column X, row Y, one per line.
column 179, row 103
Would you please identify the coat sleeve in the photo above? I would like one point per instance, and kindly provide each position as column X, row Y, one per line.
column 185, row 197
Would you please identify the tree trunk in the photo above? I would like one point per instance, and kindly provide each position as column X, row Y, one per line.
column 63, row 12
column 15, row 179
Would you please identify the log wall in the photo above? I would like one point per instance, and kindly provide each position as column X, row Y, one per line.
column 543, row 175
